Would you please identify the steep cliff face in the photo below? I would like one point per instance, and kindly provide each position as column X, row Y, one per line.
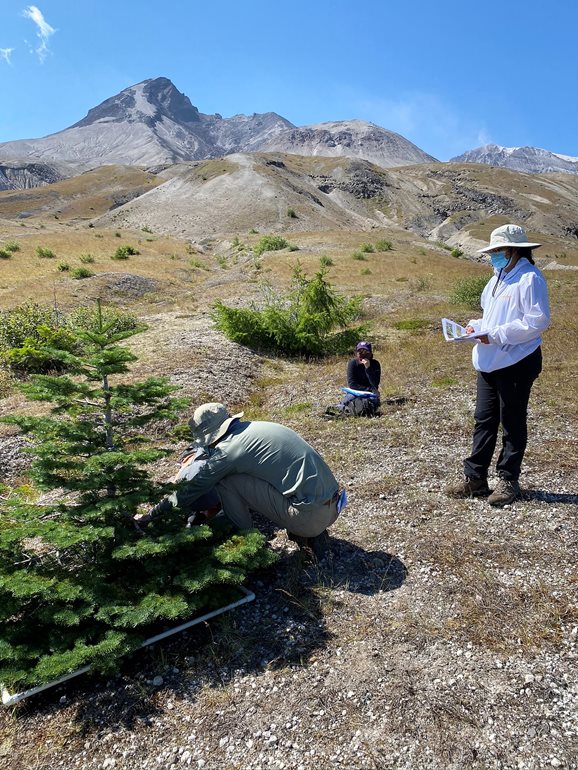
column 23, row 175
column 530, row 160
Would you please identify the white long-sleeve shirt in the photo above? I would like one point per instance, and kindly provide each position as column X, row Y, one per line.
column 516, row 312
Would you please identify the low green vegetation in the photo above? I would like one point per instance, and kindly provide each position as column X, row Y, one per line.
column 270, row 243
column 357, row 255
column 467, row 291
column 86, row 259
column 367, row 248
column 124, row 252
column 11, row 246
column 63, row 267
column 29, row 332
column 5, row 254
column 44, row 253
column 411, row 324
column 457, row 252
column 325, row 261
column 311, row 319
column 291, row 214
column 383, row 245
column 81, row 272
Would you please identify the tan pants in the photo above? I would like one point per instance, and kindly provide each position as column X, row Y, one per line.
column 240, row 494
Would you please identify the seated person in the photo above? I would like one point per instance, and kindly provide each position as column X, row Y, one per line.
column 364, row 371
column 363, row 375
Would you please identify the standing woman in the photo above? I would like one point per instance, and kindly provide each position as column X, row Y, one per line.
column 508, row 358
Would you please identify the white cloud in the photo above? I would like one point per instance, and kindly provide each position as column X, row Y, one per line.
column 6, row 53
column 44, row 30
column 484, row 138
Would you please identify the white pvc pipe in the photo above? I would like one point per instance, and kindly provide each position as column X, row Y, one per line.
column 10, row 700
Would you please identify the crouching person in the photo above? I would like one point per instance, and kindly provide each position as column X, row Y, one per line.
column 263, row 467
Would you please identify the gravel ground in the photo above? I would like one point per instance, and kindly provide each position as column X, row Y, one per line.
column 436, row 634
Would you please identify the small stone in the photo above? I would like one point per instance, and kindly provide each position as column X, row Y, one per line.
column 157, row 681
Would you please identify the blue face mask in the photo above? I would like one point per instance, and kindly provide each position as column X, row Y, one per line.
column 499, row 259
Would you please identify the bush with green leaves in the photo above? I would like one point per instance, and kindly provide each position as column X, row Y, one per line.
column 124, row 252
column 5, row 254
column 81, row 272
column 86, row 259
column 11, row 246
column 270, row 243
column 357, row 255
column 383, row 245
column 468, row 291
column 457, row 252
column 311, row 319
column 63, row 267
column 291, row 213
column 367, row 248
column 45, row 253
column 28, row 333
column 80, row 583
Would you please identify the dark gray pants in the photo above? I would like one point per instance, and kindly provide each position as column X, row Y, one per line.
column 502, row 398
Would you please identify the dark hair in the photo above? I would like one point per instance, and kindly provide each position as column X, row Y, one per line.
column 524, row 251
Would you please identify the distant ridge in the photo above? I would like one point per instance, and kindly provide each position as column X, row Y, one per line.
column 349, row 138
column 152, row 123
column 531, row 160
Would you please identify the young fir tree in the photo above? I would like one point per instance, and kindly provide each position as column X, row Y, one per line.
column 80, row 584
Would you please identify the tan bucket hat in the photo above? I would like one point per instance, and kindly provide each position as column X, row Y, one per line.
column 210, row 422
column 508, row 235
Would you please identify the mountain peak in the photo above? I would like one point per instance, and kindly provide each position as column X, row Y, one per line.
column 147, row 101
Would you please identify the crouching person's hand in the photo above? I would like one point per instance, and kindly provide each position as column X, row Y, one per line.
column 142, row 520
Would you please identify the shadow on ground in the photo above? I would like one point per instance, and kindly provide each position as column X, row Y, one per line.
column 544, row 496
column 283, row 627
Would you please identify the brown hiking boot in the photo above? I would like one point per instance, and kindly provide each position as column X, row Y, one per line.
column 317, row 546
column 506, row 492
column 469, row 487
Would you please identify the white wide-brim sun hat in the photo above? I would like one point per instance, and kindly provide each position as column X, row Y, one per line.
column 508, row 235
column 210, row 422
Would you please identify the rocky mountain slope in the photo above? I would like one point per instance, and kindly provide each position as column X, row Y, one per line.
column 149, row 123
column 245, row 192
column 351, row 138
column 153, row 123
column 531, row 160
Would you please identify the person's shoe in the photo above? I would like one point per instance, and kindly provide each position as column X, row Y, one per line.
column 469, row 487
column 506, row 492
column 318, row 546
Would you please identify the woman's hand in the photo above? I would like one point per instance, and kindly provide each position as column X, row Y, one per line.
column 483, row 339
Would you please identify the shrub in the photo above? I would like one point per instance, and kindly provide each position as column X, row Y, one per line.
column 468, row 291
column 45, row 253
column 383, row 245
column 29, row 332
column 366, row 271
column 367, row 248
column 457, row 253
column 310, row 319
column 124, row 252
column 291, row 214
column 146, row 229
column 358, row 256
column 63, row 267
column 325, row 261
column 4, row 254
column 86, row 259
column 270, row 243
column 12, row 246
column 117, row 235
column 81, row 272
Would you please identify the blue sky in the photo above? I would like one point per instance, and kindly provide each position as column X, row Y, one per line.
column 447, row 75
